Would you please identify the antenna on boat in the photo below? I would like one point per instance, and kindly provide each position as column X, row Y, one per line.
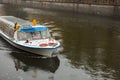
column 34, row 22
column 16, row 26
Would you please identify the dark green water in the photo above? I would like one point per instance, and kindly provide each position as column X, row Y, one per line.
column 90, row 48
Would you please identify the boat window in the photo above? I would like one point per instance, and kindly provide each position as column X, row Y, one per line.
column 36, row 35
column 45, row 34
column 24, row 36
column 29, row 35
column 33, row 35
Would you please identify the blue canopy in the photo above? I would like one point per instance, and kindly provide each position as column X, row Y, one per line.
column 32, row 29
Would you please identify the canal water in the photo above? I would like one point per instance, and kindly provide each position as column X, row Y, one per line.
column 90, row 47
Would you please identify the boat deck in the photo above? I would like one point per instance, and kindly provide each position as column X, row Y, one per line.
column 12, row 20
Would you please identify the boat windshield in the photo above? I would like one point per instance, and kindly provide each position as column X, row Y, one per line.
column 33, row 35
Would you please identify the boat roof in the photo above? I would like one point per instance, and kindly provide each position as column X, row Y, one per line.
column 12, row 20
column 33, row 29
column 25, row 26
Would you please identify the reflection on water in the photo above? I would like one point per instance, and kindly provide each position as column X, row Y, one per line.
column 27, row 62
column 22, row 66
column 90, row 47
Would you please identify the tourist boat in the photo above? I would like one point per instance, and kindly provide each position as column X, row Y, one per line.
column 28, row 36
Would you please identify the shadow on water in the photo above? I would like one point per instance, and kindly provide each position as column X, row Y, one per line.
column 26, row 62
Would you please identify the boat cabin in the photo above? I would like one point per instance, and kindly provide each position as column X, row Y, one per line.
column 33, row 33
column 25, row 32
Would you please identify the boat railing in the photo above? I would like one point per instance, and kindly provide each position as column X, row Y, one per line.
column 7, row 29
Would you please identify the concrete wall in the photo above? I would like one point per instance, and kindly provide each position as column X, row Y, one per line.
column 107, row 10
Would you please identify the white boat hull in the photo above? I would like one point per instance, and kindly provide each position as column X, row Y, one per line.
column 48, row 52
column 27, row 36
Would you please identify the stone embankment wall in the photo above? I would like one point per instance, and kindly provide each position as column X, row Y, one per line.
column 87, row 8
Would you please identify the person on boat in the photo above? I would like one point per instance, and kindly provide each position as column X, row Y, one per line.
column 16, row 26
column 34, row 22
column 27, row 41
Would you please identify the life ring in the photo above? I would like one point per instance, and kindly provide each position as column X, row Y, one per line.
column 43, row 45
column 51, row 43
